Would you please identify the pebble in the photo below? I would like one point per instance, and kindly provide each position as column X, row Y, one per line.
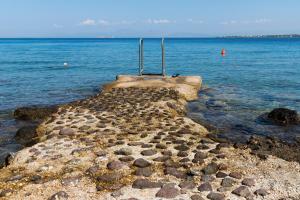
column 211, row 168
column 67, row 132
column 160, row 146
column 248, row 182
column 207, row 178
column 109, row 178
column 168, row 191
column 242, row 191
column 115, row 165
column 196, row 197
column 236, row 175
column 140, row 162
column 124, row 151
column 175, row 172
column 149, row 152
column 187, row 185
column 6, row 192
column 59, row 196
column 216, row 196
column 126, row 158
column 146, row 171
column 261, row 192
column 145, row 183
column 205, row 187
column 227, row 182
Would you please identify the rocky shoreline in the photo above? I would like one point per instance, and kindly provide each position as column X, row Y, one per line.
column 134, row 141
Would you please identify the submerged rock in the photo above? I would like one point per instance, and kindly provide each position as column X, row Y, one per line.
column 283, row 116
column 27, row 135
column 34, row 113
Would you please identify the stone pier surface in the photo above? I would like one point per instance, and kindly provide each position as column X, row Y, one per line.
column 134, row 141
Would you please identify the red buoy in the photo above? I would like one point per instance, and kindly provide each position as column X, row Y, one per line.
column 223, row 52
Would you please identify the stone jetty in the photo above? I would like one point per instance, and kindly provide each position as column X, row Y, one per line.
column 134, row 141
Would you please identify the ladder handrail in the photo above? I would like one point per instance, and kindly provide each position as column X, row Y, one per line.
column 141, row 57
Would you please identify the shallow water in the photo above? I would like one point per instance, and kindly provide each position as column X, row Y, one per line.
column 254, row 77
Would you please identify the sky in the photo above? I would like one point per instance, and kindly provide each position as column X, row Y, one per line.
column 151, row 18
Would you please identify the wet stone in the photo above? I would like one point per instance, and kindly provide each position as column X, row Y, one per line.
column 59, row 196
column 140, row 162
column 146, row 171
column 149, row 152
column 145, row 183
column 216, row 196
column 242, row 191
column 248, row 182
column 228, row 182
column 205, row 187
column 168, row 191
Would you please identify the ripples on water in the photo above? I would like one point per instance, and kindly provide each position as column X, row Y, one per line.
column 256, row 76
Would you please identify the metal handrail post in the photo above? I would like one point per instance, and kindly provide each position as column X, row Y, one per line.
column 163, row 57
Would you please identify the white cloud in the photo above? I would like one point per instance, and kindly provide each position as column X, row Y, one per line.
column 88, row 22
column 257, row 21
column 103, row 22
column 160, row 21
column 57, row 26
column 195, row 21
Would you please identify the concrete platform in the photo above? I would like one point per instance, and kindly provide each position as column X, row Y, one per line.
column 187, row 86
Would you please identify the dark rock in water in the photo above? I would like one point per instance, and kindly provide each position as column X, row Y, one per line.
column 5, row 159
column 27, row 135
column 34, row 113
column 283, row 116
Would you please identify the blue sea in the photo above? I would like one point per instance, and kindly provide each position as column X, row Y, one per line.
column 255, row 76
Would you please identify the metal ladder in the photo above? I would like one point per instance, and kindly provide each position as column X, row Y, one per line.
column 141, row 59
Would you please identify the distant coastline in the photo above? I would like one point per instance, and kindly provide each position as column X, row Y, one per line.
column 264, row 36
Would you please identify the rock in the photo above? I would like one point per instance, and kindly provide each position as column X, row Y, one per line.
column 145, row 183
column 124, row 151
column 34, row 113
column 236, row 175
column 221, row 175
column 211, row 168
column 216, row 196
column 117, row 193
column 182, row 148
column 205, row 187
column 146, row 171
column 248, row 182
column 126, row 159
column 27, row 135
column 196, row 197
column 67, row 132
column 200, row 155
column 6, row 192
column 140, row 162
column 168, row 191
column 283, row 116
column 228, row 182
column 261, row 192
column 109, row 178
column 6, row 158
column 175, row 172
column 187, row 185
column 207, row 178
column 242, row 191
column 149, row 152
column 59, row 196
column 115, row 165
column 160, row 146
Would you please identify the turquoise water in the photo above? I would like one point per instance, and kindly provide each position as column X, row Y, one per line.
column 255, row 76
